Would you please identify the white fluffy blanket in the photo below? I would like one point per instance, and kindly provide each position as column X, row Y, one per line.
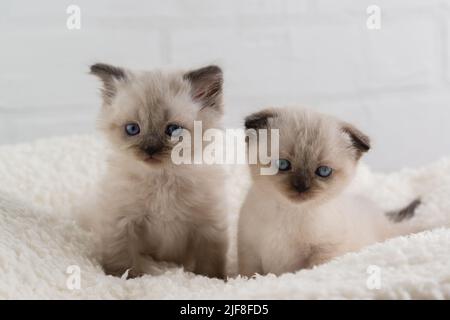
column 39, row 239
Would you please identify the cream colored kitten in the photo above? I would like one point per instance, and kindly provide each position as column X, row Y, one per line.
column 149, row 209
column 303, row 216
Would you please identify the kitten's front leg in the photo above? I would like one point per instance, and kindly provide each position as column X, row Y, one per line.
column 210, row 247
column 117, row 256
column 121, row 249
column 249, row 262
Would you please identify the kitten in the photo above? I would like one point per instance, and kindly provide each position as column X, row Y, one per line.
column 149, row 209
column 302, row 216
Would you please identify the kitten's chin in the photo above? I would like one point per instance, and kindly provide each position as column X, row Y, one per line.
column 300, row 197
column 153, row 161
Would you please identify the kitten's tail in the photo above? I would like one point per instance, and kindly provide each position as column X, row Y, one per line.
column 406, row 213
column 399, row 221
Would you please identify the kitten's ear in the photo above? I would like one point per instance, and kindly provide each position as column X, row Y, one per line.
column 360, row 141
column 110, row 76
column 259, row 120
column 206, row 86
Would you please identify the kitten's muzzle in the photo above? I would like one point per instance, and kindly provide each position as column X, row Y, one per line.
column 301, row 185
column 152, row 150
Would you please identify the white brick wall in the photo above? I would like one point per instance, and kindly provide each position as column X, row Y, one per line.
column 393, row 82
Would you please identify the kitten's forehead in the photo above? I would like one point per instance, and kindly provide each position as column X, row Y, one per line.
column 155, row 96
column 158, row 88
column 307, row 136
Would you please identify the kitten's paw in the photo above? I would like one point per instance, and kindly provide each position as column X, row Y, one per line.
column 156, row 268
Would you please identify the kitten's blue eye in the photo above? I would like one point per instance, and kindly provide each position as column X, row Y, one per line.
column 324, row 171
column 283, row 164
column 132, row 129
column 173, row 130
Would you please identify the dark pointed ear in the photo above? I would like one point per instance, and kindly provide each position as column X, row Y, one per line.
column 360, row 141
column 110, row 76
column 259, row 120
column 206, row 86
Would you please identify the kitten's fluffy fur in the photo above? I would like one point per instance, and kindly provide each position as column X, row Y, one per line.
column 295, row 219
column 148, row 208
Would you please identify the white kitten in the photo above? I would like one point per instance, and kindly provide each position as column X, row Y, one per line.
column 302, row 216
column 149, row 209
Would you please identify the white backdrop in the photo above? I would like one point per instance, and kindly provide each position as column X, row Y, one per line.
column 392, row 82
